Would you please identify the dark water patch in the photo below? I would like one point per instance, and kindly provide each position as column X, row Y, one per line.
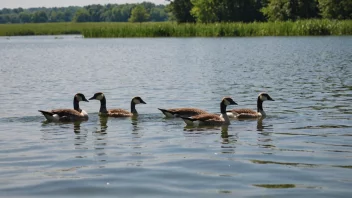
column 278, row 186
column 339, row 151
column 24, row 119
column 329, row 144
column 323, row 127
column 348, row 167
column 287, row 163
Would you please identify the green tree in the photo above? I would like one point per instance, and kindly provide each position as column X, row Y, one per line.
column 205, row 11
column 277, row 10
column 82, row 15
column 336, row 9
column 227, row 10
column 95, row 11
column 181, row 10
column 53, row 16
column 2, row 19
column 307, row 9
column 139, row 14
column 158, row 14
column 18, row 10
column 121, row 13
column 282, row 10
column 39, row 17
column 60, row 16
column 25, row 17
column 11, row 18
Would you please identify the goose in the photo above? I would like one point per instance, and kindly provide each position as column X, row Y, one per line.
column 68, row 115
column 117, row 112
column 184, row 112
column 249, row 113
column 212, row 119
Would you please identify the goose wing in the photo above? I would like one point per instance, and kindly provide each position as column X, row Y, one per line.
column 186, row 112
column 64, row 115
column 66, row 112
column 119, row 113
column 242, row 111
column 207, row 118
column 248, row 115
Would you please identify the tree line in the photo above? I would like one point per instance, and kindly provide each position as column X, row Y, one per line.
column 140, row 12
column 203, row 11
column 208, row 11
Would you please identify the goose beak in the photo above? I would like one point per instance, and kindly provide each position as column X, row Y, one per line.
column 92, row 98
column 233, row 103
column 143, row 102
column 86, row 100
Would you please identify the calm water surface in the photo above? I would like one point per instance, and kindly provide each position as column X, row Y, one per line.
column 303, row 148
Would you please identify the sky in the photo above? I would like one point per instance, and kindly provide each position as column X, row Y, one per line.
column 65, row 3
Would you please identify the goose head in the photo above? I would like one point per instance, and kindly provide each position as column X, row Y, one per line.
column 97, row 96
column 138, row 100
column 80, row 97
column 228, row 101
column 264, row 96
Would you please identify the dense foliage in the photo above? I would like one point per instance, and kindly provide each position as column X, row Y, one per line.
column 203, row 11
column 206, row 11
column 90, row 13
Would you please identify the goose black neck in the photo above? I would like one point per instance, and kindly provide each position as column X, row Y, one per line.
column 222, row 108
column 103, row 105
column 133, row 107
column 76, row 104
column 259, row 104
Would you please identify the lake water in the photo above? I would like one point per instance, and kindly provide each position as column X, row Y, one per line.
column 303, row 148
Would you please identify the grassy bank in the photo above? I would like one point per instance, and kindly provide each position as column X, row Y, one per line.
column 168, row 29
column 44, row 28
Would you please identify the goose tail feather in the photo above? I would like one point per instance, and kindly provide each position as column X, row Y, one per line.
column 48, row 115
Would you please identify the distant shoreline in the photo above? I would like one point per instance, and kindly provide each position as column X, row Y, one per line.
column 168, row 29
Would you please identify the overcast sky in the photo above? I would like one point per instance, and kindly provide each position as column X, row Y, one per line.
column 65, row 3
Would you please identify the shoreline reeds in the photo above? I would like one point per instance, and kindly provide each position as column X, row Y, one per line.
column 168, row 29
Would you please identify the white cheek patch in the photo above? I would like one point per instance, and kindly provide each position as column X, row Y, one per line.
column 79, row 98
column 226, row 102
column 100, row 97
column 263, row 98
column 136, row 101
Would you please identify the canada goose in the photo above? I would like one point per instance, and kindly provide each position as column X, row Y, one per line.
column 68, row 115
column 184, row 112
column 117, row 112
column 249, row 113
column 212, row 119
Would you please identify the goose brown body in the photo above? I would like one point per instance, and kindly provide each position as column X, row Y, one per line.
column 212, row 119
column 117, row 112
column 68, row 115
column 184, row 112
column 249, row 113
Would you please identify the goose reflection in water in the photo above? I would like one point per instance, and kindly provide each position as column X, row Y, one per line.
column 81, row 136
column 103, row 124
column 265, row 139
column 100, row 142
